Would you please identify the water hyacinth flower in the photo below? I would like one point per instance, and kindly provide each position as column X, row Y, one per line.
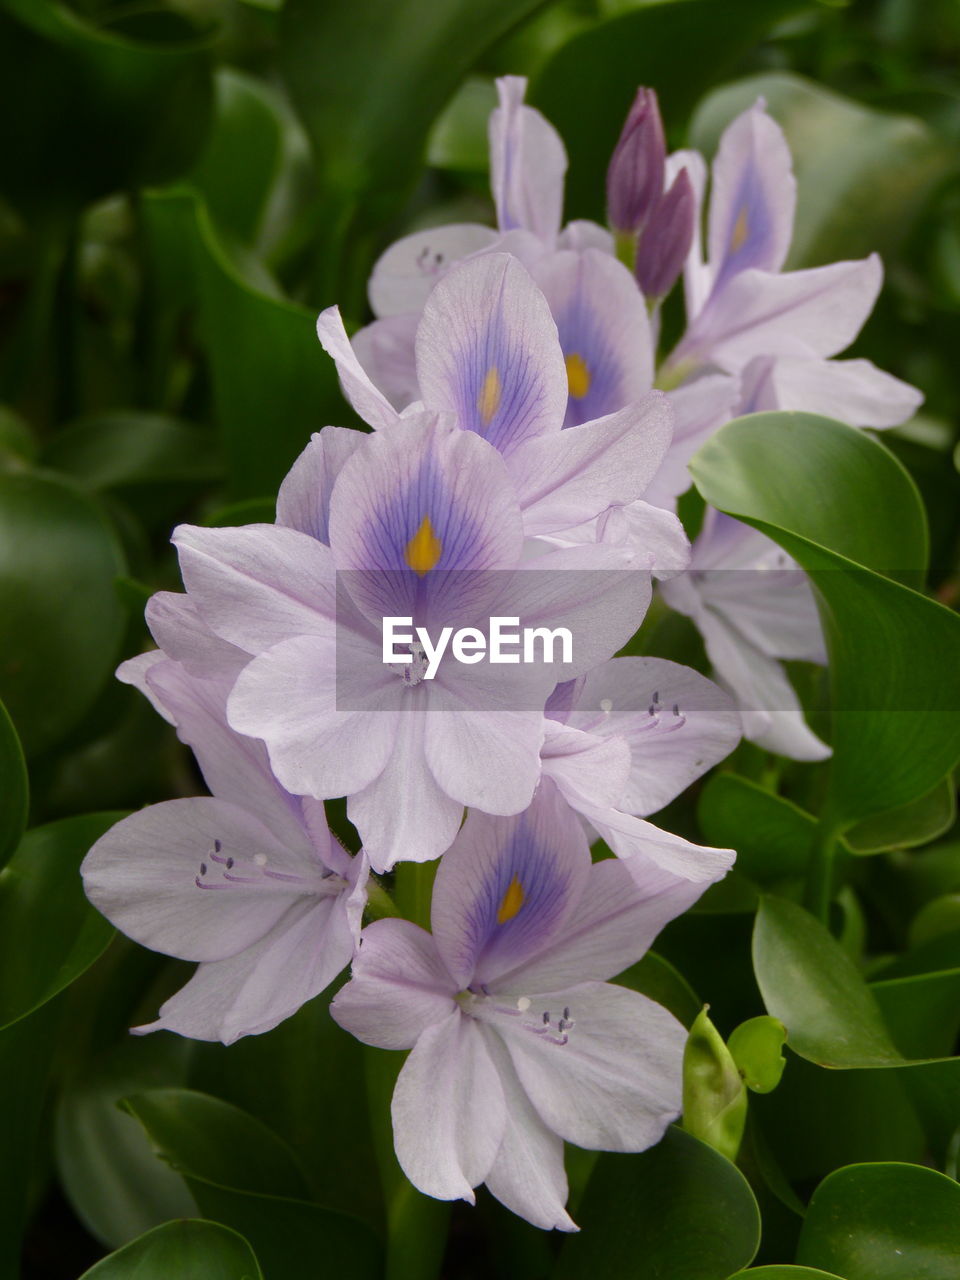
column 625, row 740
column 518, row 1041
column 420, row 521
column 742, row 306
column 753, row 606
column 489, row 353
column 249, row 881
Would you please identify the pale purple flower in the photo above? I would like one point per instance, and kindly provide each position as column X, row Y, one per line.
column 518, row 1041
column 753, row 606
column 625, row 740
column 421, row 521
column 248, row 882
column 742, row 306
column 489, row 353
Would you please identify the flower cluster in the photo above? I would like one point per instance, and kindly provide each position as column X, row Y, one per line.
column 522, row 467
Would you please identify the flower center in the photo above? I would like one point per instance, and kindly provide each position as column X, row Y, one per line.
column 483, row 1006
column 220, row 870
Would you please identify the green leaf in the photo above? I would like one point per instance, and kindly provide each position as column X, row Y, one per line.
column 714, row 1099
column 884, row 1222
column 242, row 1174
column 109, row 1173
column 809, row 982
column 130, row 449
column 273, row 385
column 756, row 1046
column 839, row 503
column 786, row 1272
column 241, row 162
column 210, row 1139
column 922, row 1012
column 117, row 111
column 863, row 176
column 771, row 835
column 26, row 1052
column 459, row 138
column 14, row 788
column 679, row 1211
column 60, row 620
column 936, row 919
column 681, row 47
column 49, row 933
column 190, row 1250
column 911, row 824
column 368, row 129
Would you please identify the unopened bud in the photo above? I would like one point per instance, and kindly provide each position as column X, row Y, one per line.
column 635, row 172
column 666, row 239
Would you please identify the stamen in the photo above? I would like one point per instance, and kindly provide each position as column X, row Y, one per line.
column 217, row 846
column 203, row 868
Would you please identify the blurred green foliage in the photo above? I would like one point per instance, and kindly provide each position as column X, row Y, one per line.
column 183, row 186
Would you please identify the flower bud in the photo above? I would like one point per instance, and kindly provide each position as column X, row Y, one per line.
column 666, row 239
column 714, row 1097
column 635, row 172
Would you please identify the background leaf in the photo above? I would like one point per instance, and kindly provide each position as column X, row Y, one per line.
column 679, row 1211
column 60, row 620
column 884, row 1222
column 14, row 787
column 49, row 933
column 845, row 509
column 189, row 1250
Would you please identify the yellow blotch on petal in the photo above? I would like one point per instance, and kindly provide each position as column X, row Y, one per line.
column 512, row 901
column 424, row 549
column 741, row 229
column 578, row 375
column 488, row 401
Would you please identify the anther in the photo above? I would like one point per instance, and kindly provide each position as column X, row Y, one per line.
column 203, row 868
column 546, row 1018
column 229, row 863
column 217, row 846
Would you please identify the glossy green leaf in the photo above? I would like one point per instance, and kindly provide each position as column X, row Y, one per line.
column 210, row 1139
column 188, row 1249
column 107, row 1168
column 922, row 1012
column 125, row 449
column 273, row 385
column 60, row 620
column 680, row 47
column 809, row 982
column 322, row 1108
column 714, row 1098
column 785, row 1272
column 117, row 110
column 242, row 1175
column 240, row 164
column 839, row 503
column 771, row 835
column 14, row 787
column 368, row 129
column 912, row 824
column 884, row 1222
column 26, row 1051
column 863, row 176
column 459, row 139
column 679, row 1211
column 756, row 1046
column 49, row 933
column 937, row 918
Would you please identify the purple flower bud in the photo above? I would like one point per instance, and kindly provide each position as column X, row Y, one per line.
column 635, row 173
column 666, row 239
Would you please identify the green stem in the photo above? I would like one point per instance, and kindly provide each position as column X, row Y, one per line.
column 820, row 872
column 414, row 890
